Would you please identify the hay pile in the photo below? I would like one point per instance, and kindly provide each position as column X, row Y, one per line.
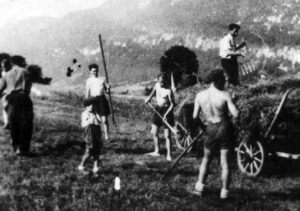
column 258, row 105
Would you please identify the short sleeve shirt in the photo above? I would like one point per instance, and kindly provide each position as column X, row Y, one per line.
column 226, row 44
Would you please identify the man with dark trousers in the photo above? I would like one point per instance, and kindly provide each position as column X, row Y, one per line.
column 17, row 84
column 229, row 52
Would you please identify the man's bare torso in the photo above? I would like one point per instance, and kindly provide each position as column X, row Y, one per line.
column 213, row 103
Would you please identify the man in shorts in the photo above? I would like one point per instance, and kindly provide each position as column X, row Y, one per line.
column 215, row 103
column 96, row 87
column 229, row 53
column 165, row 105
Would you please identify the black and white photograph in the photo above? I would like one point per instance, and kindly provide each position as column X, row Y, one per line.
column 149, row 105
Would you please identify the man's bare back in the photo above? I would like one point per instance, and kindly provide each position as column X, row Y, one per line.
column 215, row 104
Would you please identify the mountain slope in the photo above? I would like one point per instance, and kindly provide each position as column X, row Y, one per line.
column 137, row 33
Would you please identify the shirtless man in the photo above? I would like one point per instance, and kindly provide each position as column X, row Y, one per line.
column 215, row 103
column 229, row 52
column 165, row 105
column 96, row 87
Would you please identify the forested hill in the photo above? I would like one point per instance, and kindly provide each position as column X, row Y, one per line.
column 136, row 33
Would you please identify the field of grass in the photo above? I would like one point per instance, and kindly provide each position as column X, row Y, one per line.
column 50, row 179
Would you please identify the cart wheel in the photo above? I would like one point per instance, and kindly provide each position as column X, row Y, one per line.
column 250, row 157
column 183, row 142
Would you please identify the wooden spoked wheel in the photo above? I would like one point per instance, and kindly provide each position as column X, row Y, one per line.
column 183, row 142
column 250, row 157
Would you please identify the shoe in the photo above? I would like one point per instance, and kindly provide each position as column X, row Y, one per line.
column 154, row 154
column 95, row 169
column 224, row 193
column 80, row 168
column 18, row 151
column 199, row 188
column 169, row 158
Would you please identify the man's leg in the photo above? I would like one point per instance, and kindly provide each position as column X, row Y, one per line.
column 97, row 145
column 154, row 132
column 5, row 120
column 167, row 134
column 14, row 127
column 105, row 126
column 27, row 135
column 225, row 173
column 84, row 159
column 203, row 170
column 15, row 136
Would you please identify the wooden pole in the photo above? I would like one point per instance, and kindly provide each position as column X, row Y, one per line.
column 106, row 76
column 182, row 154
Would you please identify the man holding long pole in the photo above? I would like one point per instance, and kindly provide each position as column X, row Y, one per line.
column 106, row 75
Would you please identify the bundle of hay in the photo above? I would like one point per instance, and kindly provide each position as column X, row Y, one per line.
column 257, row 106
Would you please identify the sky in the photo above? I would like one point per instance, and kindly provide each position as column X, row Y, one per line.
column 16, row 10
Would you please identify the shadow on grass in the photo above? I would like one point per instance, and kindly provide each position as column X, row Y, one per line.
column 290, row 194
column 59, row 149
column 282, row 168
column 135, row 151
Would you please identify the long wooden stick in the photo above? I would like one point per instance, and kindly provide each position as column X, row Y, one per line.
column 182, row 154
column 165, row 122
column 282, row 102
column 106, row 76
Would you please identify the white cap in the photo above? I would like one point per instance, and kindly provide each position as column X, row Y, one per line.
column 117, row 185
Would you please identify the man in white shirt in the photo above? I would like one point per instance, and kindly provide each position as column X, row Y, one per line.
column 96, row 87
column 165, row 105
column 229, row 53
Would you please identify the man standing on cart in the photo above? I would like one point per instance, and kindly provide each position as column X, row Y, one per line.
column 216, row 104
column 165, row 105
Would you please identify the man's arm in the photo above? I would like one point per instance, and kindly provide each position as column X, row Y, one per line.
column 197, row 108
column 106, row 86
column 232, row 107
column 2, row 86
column 151, row 95
column 241, row 45
column 234, row 53
column 44, row 80
column 87, row 90
column 171, row 100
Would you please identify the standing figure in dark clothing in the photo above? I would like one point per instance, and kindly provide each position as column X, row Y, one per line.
column 229, row 53
column 17, row 84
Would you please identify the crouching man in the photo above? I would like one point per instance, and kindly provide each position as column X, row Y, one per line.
column 216, row 104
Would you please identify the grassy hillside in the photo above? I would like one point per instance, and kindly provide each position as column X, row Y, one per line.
column 50, row 180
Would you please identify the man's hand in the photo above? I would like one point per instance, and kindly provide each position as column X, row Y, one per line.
column 242, row 55
column 147, row 101
column 108, row 86
column 235, row 98
column 165, row 118
column 47, row 80
column 243, row 44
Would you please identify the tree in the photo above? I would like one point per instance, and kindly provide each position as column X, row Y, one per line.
column 182, row 63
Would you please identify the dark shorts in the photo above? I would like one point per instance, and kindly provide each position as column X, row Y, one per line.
column 156, row 120
column 231, row 69
column 93, row 140
column 220, row 135
column 99, row 105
